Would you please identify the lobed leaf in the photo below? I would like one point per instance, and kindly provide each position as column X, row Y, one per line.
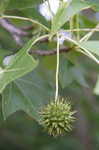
column 28, row 94
column 21, row 64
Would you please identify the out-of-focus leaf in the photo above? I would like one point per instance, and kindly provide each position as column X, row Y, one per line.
column 64, row 13
column 49, row 62
column 85, row 49
column 92, row 46
column 3, row 5
column 96, row 89
column 78, row 76
column 94, row 4
column 34, row 14
column 21, row 64
column 65, row 76
column 17, row 4
column 70, row 73
column 29, row 94
column 73, row 57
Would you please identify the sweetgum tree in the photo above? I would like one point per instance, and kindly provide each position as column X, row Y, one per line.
column 49, row 60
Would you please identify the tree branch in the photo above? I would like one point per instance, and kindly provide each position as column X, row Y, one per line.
column 50, row 52
column 18, row 33
column 11, row 28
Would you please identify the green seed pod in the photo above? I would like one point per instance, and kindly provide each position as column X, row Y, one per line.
column 57, row 117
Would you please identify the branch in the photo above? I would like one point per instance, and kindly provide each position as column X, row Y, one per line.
column 17, row 39
column 11, row 28
column 16, row 32
column 28, row 28
column 50, row 52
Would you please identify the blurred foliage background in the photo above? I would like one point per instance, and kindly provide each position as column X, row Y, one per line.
column 77, row 81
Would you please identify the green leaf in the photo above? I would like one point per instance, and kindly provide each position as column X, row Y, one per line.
column 23, row 4
column 64, row 13
column 20, row 64
column 92, row 46
column 84, row 50
column 3, row 5
column 28, row 94
column 96, row 89
column 65, row 76
column 78, row 76
column 70, row 73
column 35, row 15
column 94, row 4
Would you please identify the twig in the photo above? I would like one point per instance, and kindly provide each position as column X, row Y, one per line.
column 17, row 39
column 50, row 52
column 11, row 28
column 27, row 28
column 16, row 32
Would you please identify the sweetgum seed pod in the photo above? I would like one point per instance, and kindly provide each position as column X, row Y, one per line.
column 57, row 117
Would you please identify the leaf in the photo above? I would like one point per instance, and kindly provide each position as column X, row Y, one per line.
column 94, row 4
column 35, row 15
column 49, row 62
column 3, row 5
column 92, row 46
column 21, row 64
column 84, row 49
column 70, row 73
column 96, row 89
column 28, row 93
column 78, row 76
column 64, row 13
column 65, row 76
column 23, row 4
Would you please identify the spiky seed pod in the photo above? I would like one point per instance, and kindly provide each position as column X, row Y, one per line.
column 57, row 117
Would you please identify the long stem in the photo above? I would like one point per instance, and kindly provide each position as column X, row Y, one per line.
column 71, row 24
column 77, row 26
column 57, row 68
